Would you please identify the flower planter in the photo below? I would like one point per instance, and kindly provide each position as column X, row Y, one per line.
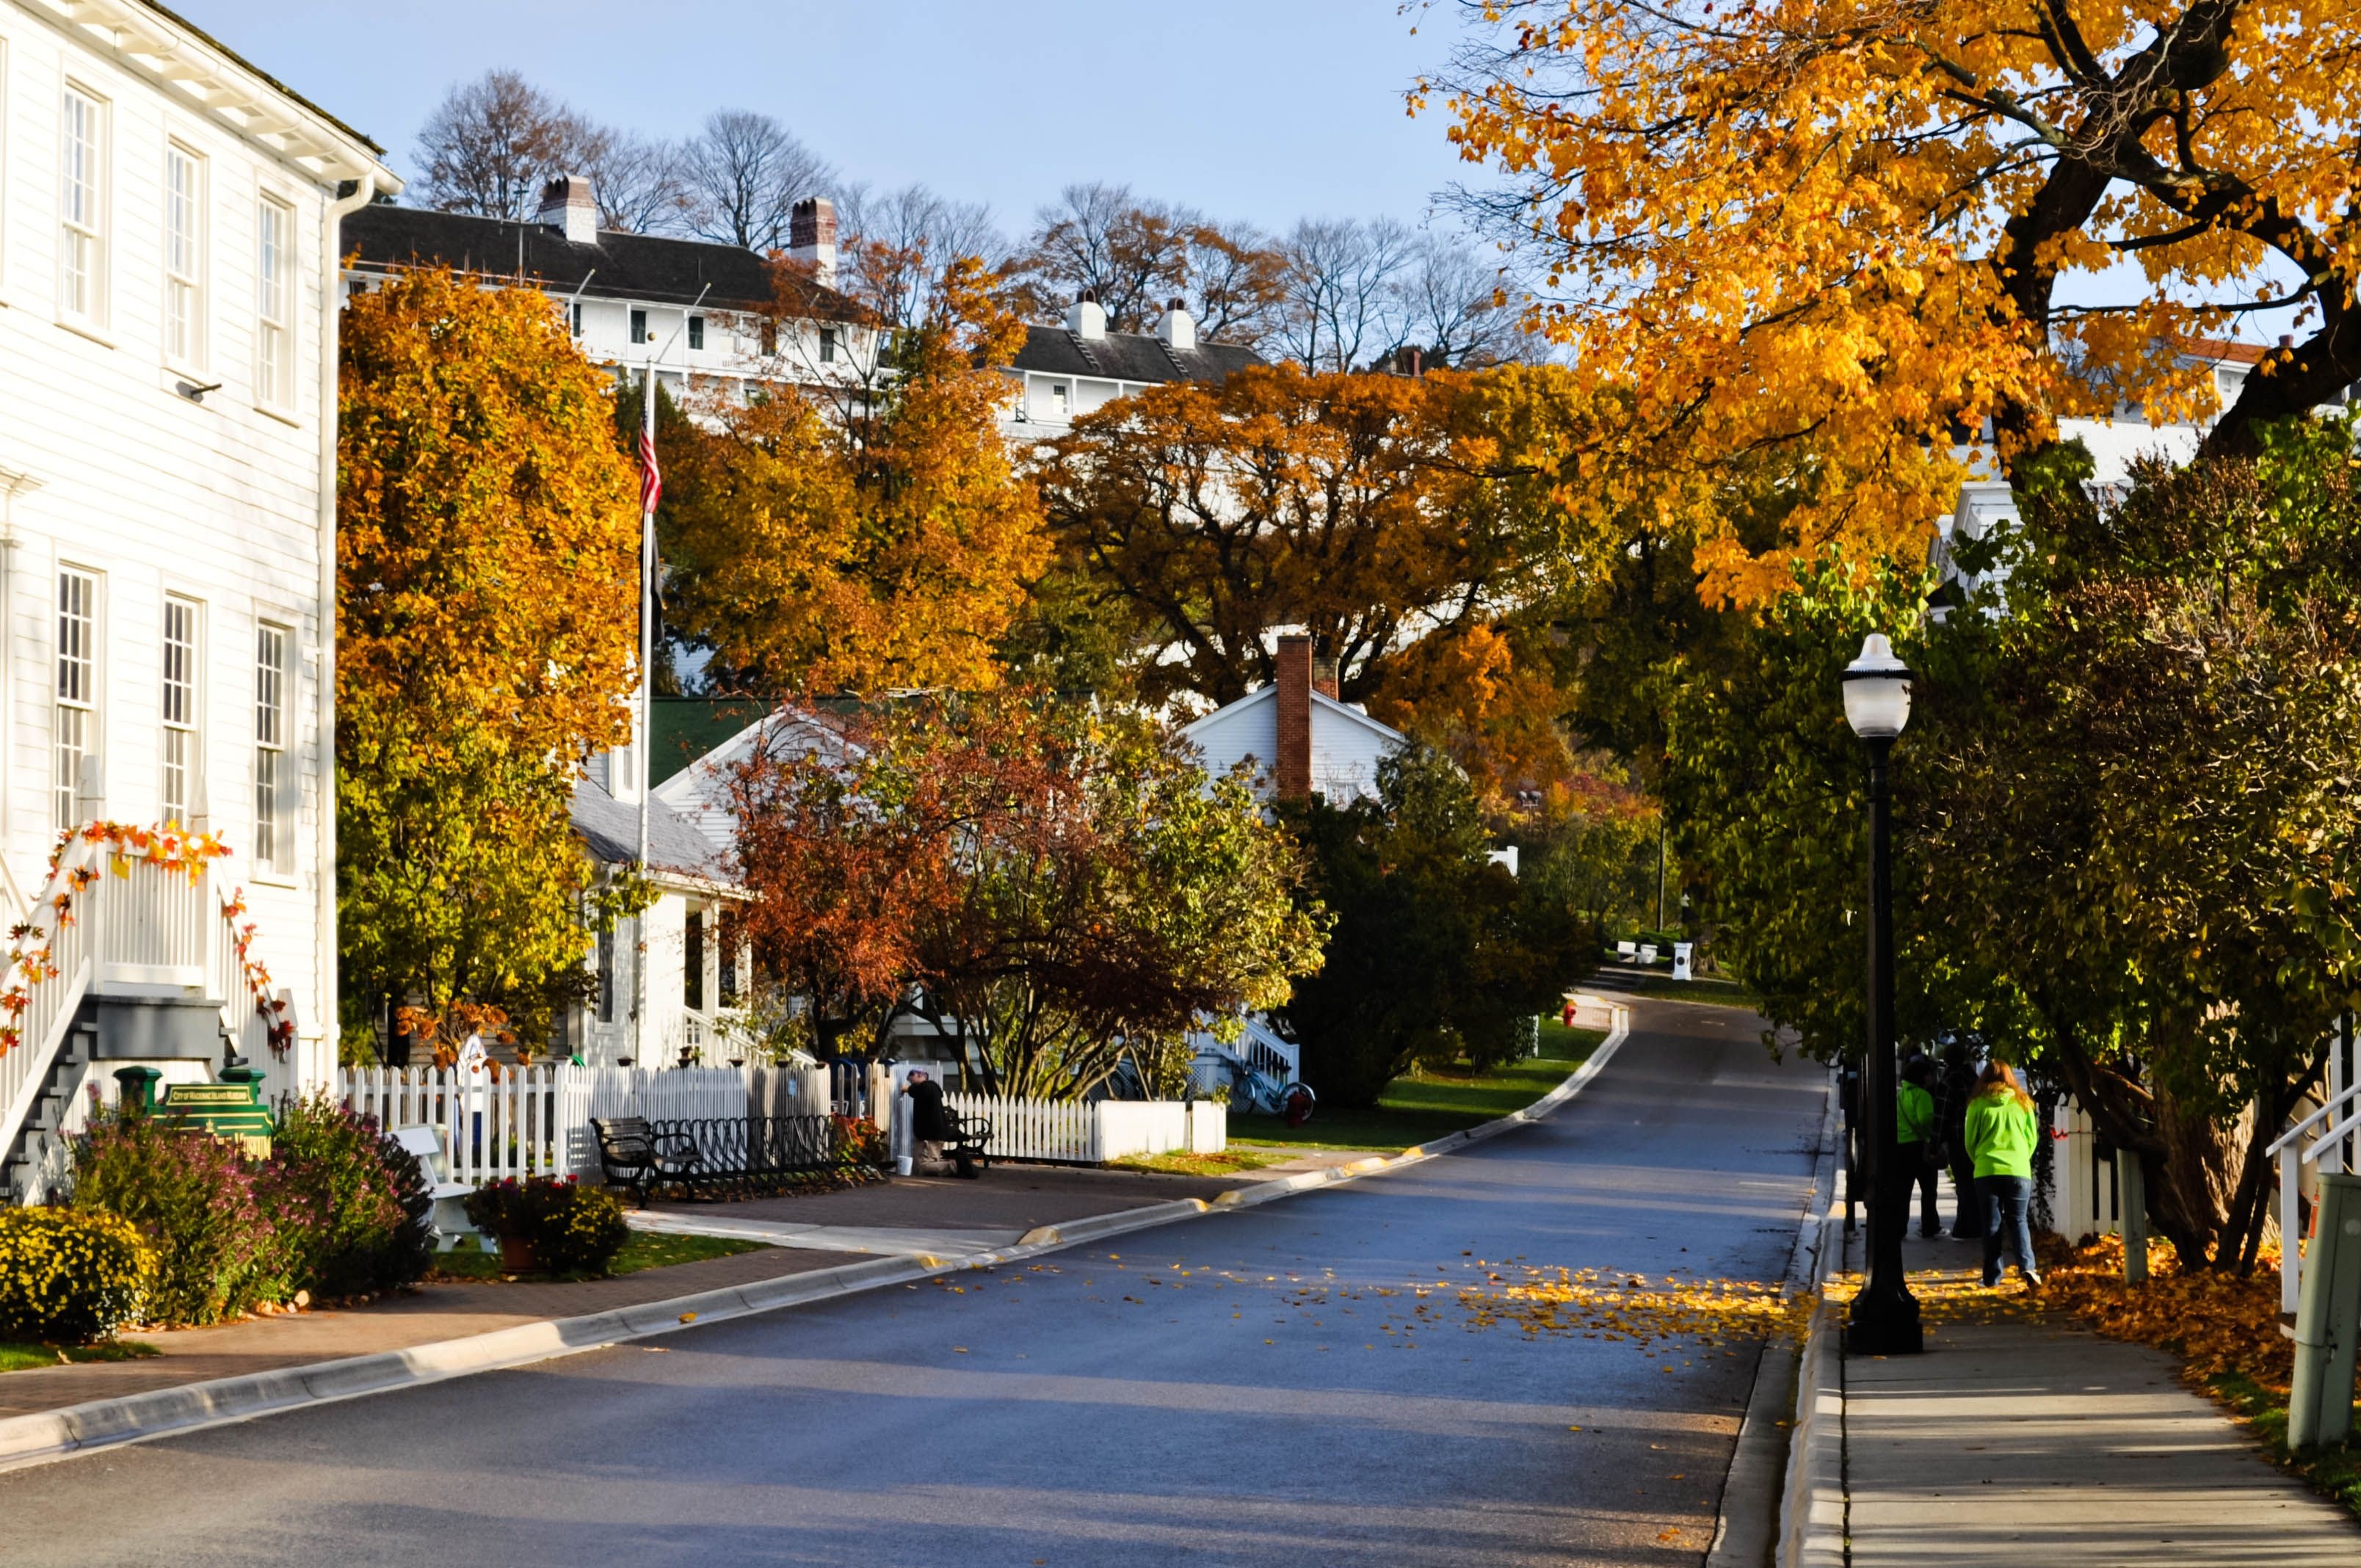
column 517, row 1255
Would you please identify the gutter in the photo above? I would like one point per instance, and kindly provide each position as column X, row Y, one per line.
column 332, row 312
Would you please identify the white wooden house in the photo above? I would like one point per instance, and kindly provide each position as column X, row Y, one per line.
column 168, row 217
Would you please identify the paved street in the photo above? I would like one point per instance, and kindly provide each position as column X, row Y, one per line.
column 1233, row 1390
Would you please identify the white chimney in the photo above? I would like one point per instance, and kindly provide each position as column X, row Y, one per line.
column 811, row 237
column 1086, row 317
column 1178, row 329
column 567, row 206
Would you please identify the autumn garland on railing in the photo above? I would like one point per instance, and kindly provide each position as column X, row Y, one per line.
column 30, row 946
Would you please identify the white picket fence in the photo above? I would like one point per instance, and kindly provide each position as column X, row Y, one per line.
column 535, row 1120
column 1093, row 1132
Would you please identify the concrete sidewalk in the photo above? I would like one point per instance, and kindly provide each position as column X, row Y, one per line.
column 2024, row 1441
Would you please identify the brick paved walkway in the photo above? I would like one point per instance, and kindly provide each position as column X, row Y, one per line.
column 397, row 1322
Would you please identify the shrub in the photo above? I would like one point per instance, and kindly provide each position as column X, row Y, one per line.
column 67, row 1277
column 571, row 1228
column 364, row 1224
column 200, row 1208
column 859, row 1142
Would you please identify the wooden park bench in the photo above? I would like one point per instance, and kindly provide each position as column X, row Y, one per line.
column 637, row 1155
column 969, row 1146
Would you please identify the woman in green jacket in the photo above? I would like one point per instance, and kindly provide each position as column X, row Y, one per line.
column 2000, row 1134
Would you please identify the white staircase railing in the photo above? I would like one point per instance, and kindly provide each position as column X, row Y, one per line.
column 2326, row 1140
column 51, row 961
column 1267, row 1062
column 132, row 907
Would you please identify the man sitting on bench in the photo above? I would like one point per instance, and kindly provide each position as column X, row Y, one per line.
column 930, row 1122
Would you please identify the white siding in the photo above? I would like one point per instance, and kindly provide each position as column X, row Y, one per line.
column 1346, row 745
column 216, row 500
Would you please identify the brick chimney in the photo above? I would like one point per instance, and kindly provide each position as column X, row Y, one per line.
column 1292, row 768
column 567, row 206
column 811, row 237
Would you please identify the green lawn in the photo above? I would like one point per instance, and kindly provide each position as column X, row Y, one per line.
column 1706, row 988
column 646, row 1249
column 1228, row 1163
column 18, row 1356
column 1422, row 1105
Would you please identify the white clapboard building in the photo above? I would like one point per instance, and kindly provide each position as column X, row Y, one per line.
column 168, row 216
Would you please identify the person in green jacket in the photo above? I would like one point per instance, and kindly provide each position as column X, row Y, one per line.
column 2000, row 1134
column 1914, row 1108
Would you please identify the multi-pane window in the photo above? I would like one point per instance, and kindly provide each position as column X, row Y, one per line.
column 828, row 345
column 639, row 326
column 697, row 332
column 182, row 750
column 575, row 312
column 81, row 207
column 77, row 689
column 274, row 302
column 692, row 978
column 274, row 833
column 185, row 218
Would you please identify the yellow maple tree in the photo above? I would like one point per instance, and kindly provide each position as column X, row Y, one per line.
column 1835, row 234
column 486, row 539
column 859, row 524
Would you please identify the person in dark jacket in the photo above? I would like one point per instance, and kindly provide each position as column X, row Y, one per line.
column 931, row 1122
column 1954, row 1086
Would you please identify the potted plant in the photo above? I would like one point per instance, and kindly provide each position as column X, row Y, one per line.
column 547, row 1225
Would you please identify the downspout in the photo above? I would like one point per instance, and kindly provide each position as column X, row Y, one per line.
column 332, row 311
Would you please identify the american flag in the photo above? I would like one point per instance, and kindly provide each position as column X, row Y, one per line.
column 651, row 477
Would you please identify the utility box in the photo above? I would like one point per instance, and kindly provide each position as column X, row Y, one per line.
column 2328, row 1319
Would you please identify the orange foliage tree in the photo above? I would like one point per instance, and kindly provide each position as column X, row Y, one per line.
column 1413, row 525
column 486, row 542
column 859, row 525
column 1828, row 235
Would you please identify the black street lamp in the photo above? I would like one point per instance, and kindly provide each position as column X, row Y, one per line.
column 1884, row 1315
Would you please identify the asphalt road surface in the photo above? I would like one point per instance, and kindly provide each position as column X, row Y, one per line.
column 1231, row 1390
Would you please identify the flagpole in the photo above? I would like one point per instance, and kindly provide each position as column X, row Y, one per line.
column 645, row 717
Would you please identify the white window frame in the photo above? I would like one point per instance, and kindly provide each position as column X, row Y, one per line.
column 274, row 302
column 274, row 754
column 181, row 706
column 184, row 256
column 77, row 677
column 82, row 193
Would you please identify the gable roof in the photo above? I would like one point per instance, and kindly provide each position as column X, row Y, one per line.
column 620, row 266
column 1321, row 703
column 1129, row 356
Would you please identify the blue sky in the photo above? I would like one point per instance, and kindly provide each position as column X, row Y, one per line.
column 1265, row 110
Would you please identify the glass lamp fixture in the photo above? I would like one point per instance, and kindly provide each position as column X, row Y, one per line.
column 1877, row 691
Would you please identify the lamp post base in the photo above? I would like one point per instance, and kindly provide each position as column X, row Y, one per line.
column 1884, row 1327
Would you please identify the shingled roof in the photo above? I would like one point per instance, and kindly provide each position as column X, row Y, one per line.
column 1129, row 356
column 620, row 266
column 609, row 829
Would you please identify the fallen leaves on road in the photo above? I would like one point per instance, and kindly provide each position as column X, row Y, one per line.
column 1614, row 1305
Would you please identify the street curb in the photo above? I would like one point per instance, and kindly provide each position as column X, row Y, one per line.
column 49, row 1435
column 1812, row 1520
column 1754, row 1496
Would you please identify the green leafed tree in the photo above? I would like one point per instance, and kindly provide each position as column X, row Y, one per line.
column 1436, row 954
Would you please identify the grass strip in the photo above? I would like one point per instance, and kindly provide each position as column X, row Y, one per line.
column 1424, row 1103
column 646, row 1249
column 27, row 1356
